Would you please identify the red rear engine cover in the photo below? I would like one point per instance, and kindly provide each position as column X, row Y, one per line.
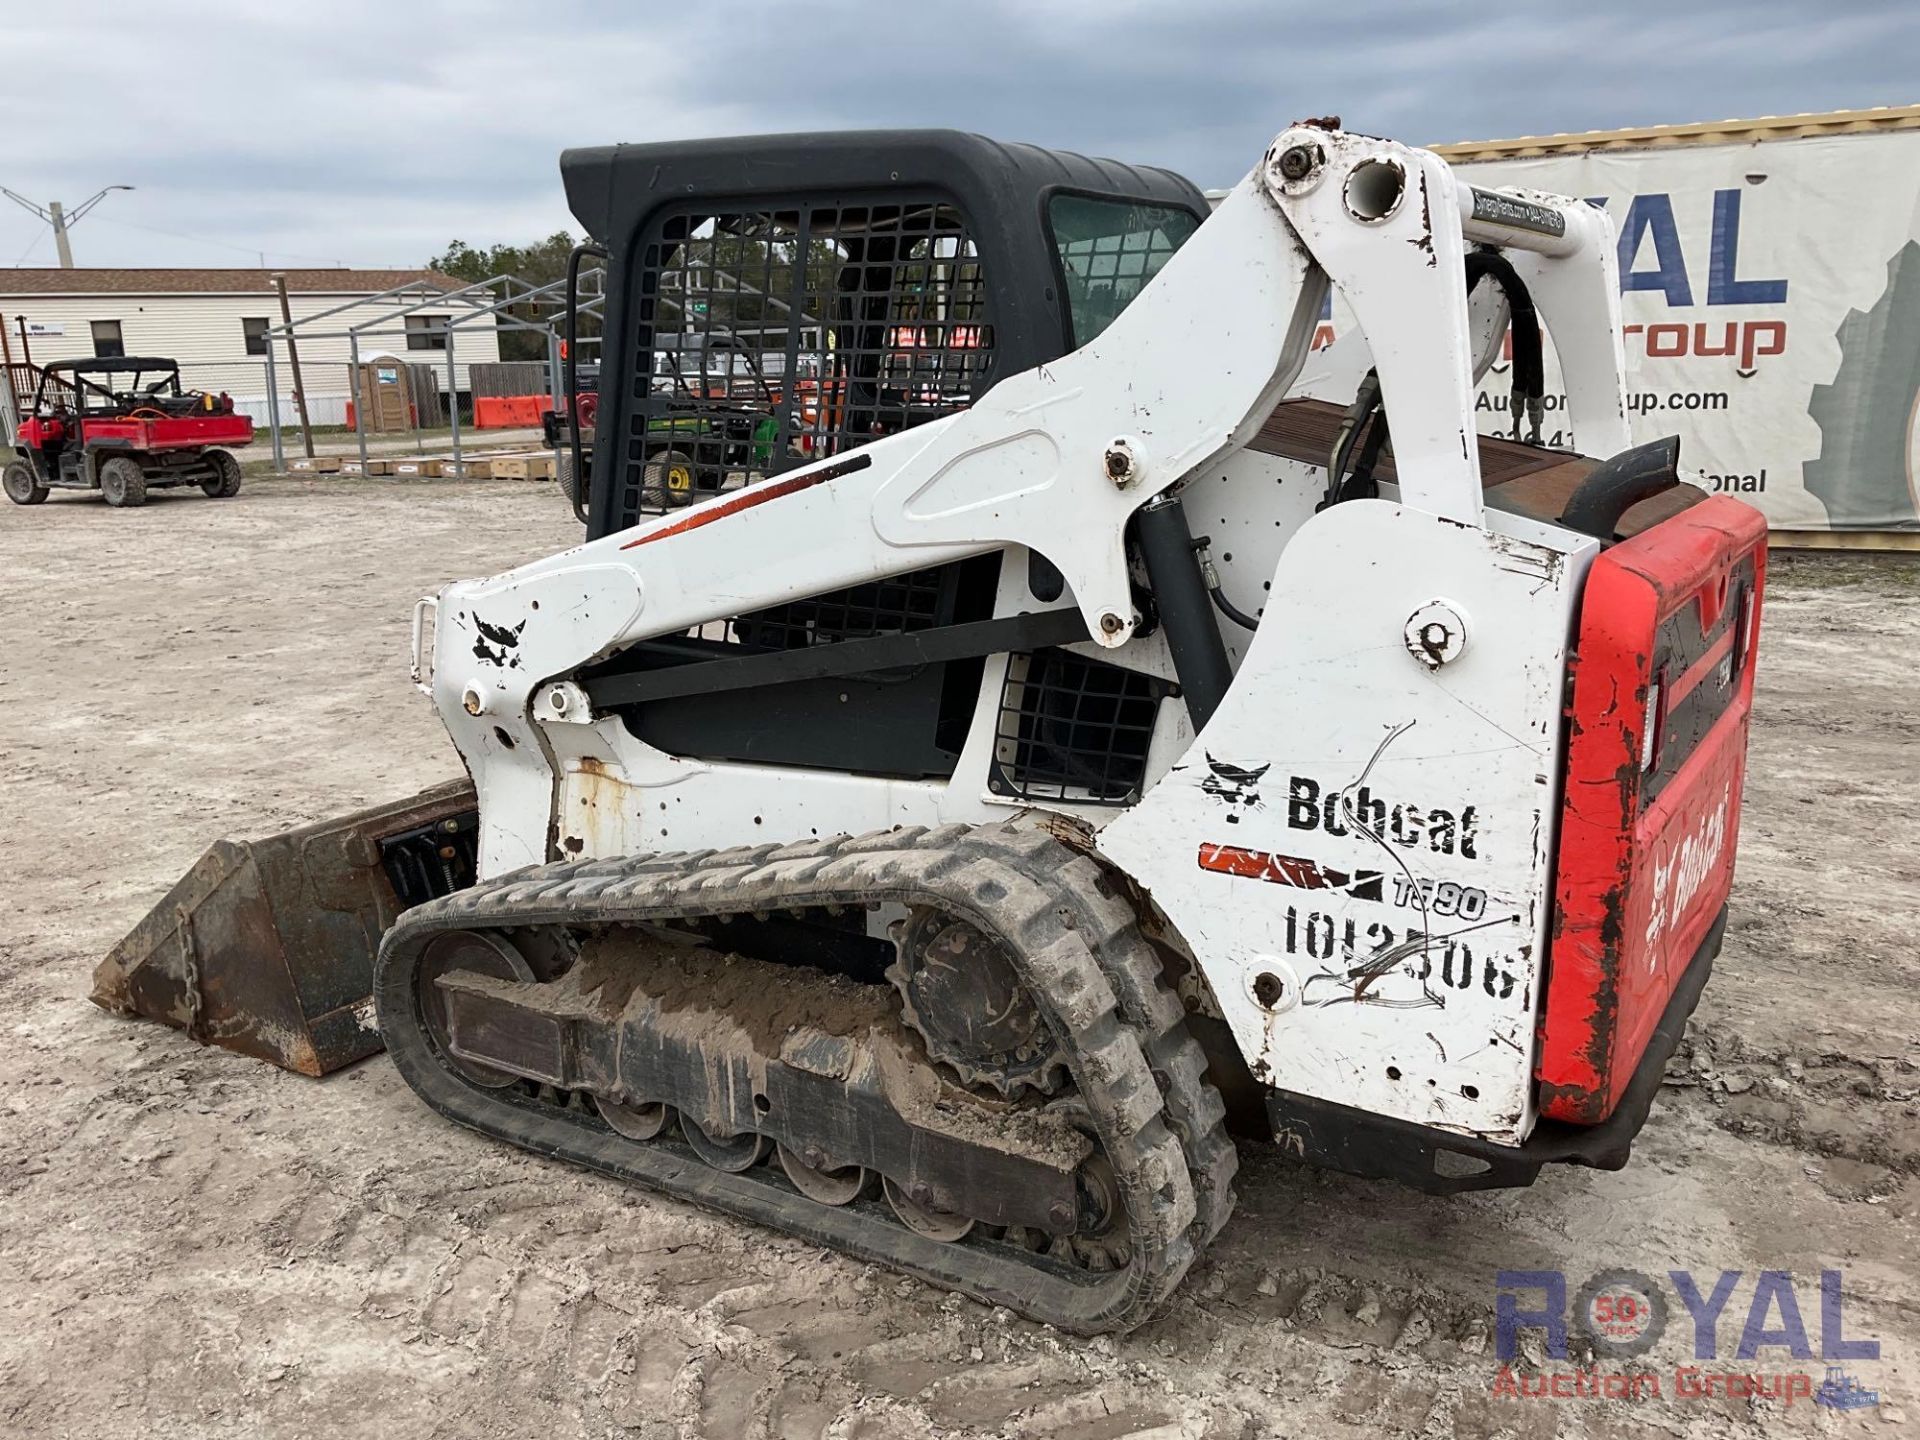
column 1646, row 849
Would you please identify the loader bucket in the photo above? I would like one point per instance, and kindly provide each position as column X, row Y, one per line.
column 267, row 946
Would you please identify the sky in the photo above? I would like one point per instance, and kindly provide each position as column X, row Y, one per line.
column 374, row 133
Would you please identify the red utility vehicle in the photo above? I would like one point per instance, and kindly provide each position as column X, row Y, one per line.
column 122, row 425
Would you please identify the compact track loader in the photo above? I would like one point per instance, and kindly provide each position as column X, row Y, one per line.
column 1102, row 708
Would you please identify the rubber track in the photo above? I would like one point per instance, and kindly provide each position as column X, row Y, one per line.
column 1096, row 978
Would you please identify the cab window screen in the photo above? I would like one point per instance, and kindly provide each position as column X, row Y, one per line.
column 765, row 339
column 1109, row 250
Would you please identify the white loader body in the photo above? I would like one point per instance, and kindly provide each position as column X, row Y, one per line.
column 1356, row 850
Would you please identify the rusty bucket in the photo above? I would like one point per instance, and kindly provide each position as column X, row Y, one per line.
column 267, row 946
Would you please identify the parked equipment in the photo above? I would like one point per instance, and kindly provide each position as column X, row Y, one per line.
column 1091, row 711
column 124, row 426
column 717, row 424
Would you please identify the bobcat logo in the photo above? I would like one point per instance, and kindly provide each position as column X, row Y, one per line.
column 1234, row 786
column 1687, row 866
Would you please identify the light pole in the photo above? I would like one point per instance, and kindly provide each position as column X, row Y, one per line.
column 60, row 219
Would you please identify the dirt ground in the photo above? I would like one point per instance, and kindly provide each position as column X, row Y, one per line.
column 195, row 1244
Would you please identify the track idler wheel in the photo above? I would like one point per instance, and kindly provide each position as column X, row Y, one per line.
column 482, row 953
column 1101, row 1239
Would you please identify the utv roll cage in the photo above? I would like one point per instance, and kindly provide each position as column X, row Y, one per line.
column 68, row 379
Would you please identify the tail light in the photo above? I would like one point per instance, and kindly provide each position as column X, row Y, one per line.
column 1743, row 636
column 1653, row 722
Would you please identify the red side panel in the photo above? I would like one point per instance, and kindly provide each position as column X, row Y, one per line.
column 1648, row 826
column 39, row 431
column 175, row 432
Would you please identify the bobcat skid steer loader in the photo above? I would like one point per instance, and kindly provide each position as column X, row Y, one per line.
column 1091, row 711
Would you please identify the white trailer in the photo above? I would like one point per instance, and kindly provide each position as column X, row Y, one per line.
column 1770, row 272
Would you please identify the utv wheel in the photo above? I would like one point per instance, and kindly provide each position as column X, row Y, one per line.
column 22, row 485
column 123, row 482
column 668, row 482
column 224, row 483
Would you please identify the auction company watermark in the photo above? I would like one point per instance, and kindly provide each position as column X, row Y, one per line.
column 1622, row 1314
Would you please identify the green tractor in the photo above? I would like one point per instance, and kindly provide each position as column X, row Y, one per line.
column 705, row 443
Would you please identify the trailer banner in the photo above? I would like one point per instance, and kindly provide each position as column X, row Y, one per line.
column 1771, row 298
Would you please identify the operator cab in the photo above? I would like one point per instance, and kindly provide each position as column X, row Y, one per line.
column 781, row 298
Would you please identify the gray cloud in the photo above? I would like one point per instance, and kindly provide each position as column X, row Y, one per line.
column 371, row 133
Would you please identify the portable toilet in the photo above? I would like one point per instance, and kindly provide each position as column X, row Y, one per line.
column 385, row 394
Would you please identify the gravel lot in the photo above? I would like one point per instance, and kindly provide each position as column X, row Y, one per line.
column 195, row 1244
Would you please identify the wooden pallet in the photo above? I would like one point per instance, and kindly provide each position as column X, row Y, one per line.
column 523, row 467
column 507, row 465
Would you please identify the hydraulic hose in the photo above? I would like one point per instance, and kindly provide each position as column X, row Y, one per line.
column 1365, row 401
column 1232, row 611
column 1529, row 364
column 1220, row 602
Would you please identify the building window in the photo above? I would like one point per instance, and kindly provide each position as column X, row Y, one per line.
column 107, row 344
column 255, row 331
column 426, row 332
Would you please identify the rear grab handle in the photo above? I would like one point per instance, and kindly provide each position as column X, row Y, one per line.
column 421, row 669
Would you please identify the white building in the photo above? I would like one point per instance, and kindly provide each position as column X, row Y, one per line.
column 214, row 323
